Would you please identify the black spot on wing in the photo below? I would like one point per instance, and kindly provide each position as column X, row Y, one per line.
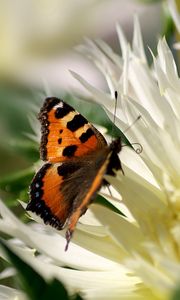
column 86, row 135
column 77, row 122
column 61, row 112
column 67, row 169
column 69, row 150
column 59, row 141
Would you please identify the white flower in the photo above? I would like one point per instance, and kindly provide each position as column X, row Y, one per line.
column 95, row 273
column 150, row 188
column 136, row 256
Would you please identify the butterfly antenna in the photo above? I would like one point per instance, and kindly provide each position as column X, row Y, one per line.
column 139, row 148
column 137, row 119
column 115, row 106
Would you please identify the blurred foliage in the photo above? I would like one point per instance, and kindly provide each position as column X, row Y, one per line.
column 34, row 286
column 17, row 152
column 15, row 186
column 176, row 295
column 169, row 27
column 16, row 149
column 101, row 200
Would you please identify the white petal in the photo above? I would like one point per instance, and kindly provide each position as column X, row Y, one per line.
column 125, row 71
column 102, row 246
column 98, row 231
column 122, row 40
column 161, row 77
column 122, row 231
column 8, row 272
column 114, row 292
column 147, row 94
column 82, row 280
column 52, row 244
column 110, row 53
column 100, row 97
column 134, row 162
column 138, row 48
column 168, row 64
column 104, row 58
column 174, row 100
column 153, row 277
column 7, row 293
column 143, row 203
column 117, row 202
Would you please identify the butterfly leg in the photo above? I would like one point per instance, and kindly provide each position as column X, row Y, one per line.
column 68, row 238
column 72, row 224
column 108, row 187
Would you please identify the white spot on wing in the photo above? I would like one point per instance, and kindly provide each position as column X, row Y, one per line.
column 59, row 105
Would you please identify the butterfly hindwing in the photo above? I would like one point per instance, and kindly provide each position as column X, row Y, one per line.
column 61, row 192
column 66, row 133
column 46, row 198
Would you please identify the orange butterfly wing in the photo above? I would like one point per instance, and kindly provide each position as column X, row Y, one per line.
column 66, row 133
column 57, row 191
column 46, row 198
column 60, row 193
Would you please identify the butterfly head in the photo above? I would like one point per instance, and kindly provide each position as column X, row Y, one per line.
column 116, row 145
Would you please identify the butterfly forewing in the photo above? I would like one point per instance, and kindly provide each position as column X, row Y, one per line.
column 66, row 133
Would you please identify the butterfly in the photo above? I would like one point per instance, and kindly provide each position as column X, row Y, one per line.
column 77, row 157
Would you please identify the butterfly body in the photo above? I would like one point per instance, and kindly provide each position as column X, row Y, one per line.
column 77, row 158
